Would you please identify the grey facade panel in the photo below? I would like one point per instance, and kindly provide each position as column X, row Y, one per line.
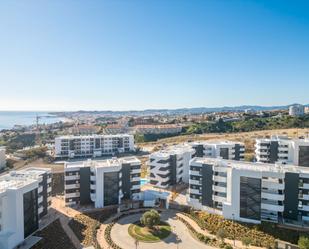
column 173, row 169
column 31, row 217
column 207, row 183
column 237, row 152
column 44, row 194
column 224, row 153
column 250, row 198
column 291, row 196
column 273, row 152
column 126, row 183
column 111, row 188
column 199, row 150
column 303, row 157
column 85, row 185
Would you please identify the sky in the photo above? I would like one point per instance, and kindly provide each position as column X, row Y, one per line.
column 145, row 54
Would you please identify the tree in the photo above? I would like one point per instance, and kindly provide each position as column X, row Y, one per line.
column 246, row 241
column 150, row 218
column 303, row 242
column 221, row 234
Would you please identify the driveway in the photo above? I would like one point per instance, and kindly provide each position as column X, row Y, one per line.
column 121, row 237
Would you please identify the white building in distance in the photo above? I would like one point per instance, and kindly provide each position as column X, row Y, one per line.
column 93, row 145
column 2, row 158
column 296, row 110
column 281, row 149
column 170, row 166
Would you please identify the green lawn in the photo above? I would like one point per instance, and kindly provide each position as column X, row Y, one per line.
column 141, row 233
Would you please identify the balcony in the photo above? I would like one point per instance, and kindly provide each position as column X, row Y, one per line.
column 72, row 195
column 271, row 207
column 195, row 173
column 72, row 186
column 219, row 179
column 72, row 177
column 195, row 182
column 195, row 191
column 218, row 198
column 219, row 189
column 272, row 185
column 272, row 196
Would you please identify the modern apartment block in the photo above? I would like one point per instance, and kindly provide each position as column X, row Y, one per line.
column 170, row 166
column 104, row 183
column 25, row 197
column 281, row 149
column 296, row 110
column 250, row 192
column 2, row 158
column 224, row 149
column 93, row 145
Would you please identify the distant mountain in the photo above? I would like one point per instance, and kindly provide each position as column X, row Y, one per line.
column 195, row 110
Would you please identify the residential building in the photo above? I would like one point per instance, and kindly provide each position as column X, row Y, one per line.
column 296, row 110
column 157, row 129
column 250, row 192
column 116, row 129
column 170, row 166
column 224, row 149
column 281, row 149
column 25, row 197
column 102, row 183
column 2, row 158
column 93, row 145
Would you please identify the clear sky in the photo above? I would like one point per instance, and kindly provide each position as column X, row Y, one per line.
column 139, row 54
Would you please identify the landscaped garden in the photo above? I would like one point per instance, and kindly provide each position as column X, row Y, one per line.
column 150, row 228
column 262, row 235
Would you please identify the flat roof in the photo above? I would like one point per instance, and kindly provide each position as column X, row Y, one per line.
column 102, row 163
column 94, row 136
column 10, row 181
column 172, row 150
column 254, row 166
column 227, row 142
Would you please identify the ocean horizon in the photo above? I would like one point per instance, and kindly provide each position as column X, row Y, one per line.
column 8, row 119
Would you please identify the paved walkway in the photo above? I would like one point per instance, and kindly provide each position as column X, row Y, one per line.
column 180, row 235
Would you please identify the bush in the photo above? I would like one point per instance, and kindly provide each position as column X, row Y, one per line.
column 303, row 242
column 228, row 246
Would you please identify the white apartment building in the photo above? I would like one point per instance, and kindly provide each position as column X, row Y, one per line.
column 2, row 158
column 25, row 197
column 281, row 149
column 250, row 192
column 93, row 145
column 223, row 149
column 170, row 166
column 296, row 110
column 104, row 183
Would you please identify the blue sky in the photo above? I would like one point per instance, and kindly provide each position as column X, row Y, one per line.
column 138, row 54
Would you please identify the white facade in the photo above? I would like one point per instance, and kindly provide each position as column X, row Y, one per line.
column 216, row 149
column 281, row 149
column 170, row 166
column 94, row 189
column 13, row 188
column 233, row 189
column 93, row 145
column 296, row 110
column 2, row 158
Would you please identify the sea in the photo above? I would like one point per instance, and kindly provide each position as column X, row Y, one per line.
column 10, row 118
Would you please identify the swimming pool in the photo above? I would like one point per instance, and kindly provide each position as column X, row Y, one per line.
column 144, row 181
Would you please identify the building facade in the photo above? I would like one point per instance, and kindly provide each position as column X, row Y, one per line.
column 25, row 197
column 170, row 166
column 224, row 149
column 281, row 149
column 2, row 158
column 250, row 192
column 93, row 145
column 102, row 183
column 296, row 110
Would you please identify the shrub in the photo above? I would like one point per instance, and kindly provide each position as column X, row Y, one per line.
column 228, row 246
column 246, row 241
column 303, row 242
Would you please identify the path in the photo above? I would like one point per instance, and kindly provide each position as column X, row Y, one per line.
column 121, row 237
